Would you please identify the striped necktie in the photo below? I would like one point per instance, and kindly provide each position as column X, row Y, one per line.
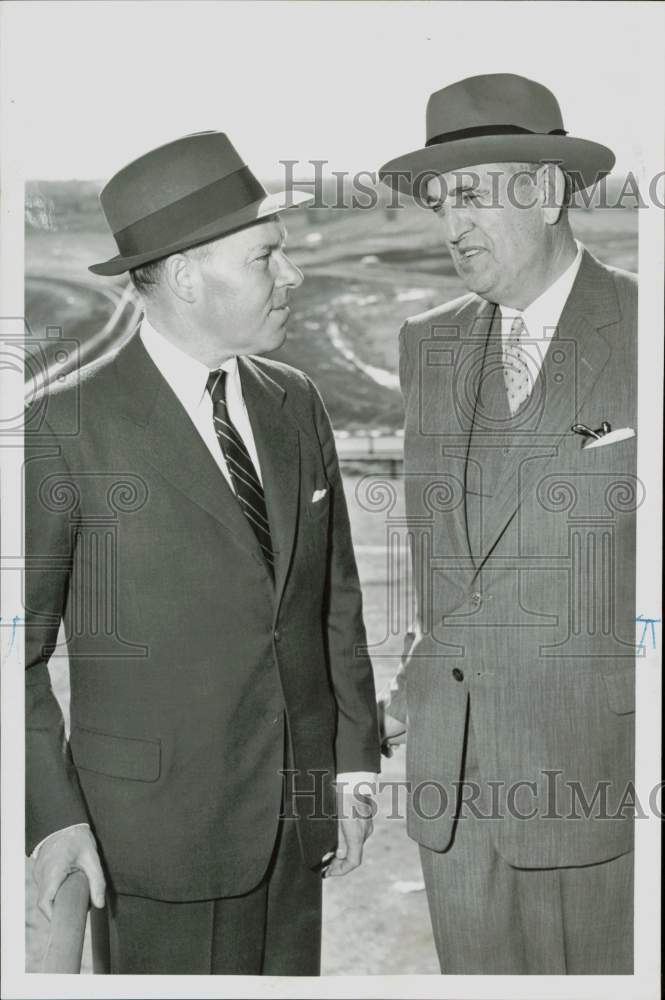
column 246, row 482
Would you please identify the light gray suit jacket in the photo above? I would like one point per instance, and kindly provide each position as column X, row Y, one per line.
column 523, row 548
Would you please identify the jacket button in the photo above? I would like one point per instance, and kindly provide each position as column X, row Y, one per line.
column 476, row 599
column 458, row 674
column 277, row 635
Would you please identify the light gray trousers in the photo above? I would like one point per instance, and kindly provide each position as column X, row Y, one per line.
column 491, row 918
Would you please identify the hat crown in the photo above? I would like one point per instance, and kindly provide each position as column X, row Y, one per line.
column 495, row 99
column 164, row 175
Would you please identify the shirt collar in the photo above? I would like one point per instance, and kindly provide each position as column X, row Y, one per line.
column 185, row 375
column 542, row 317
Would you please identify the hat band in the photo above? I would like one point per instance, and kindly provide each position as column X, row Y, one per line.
column 176, row 221
column 487, row 130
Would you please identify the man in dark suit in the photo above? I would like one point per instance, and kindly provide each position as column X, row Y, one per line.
column 517, row 696
column 186, row 518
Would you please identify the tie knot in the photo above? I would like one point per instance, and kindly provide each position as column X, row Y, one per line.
column 216, row 385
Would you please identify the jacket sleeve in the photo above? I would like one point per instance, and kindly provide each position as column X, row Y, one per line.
column 393, row 697
column 357, row 745
column 53, row 796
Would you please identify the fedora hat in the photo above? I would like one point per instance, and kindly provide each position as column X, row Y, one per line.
column 181, row 194
column 496, row 118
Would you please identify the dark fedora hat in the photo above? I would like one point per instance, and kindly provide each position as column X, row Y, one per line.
column 496, row 118
column 181, row 194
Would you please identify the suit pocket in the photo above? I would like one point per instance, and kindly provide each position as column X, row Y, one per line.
column 619, row 456
column 620, row 687
column 116, row 756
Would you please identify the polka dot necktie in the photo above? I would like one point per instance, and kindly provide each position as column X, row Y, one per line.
column 246, row 482
column 516, row 374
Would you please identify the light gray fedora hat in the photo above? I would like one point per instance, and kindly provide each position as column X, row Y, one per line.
column 496, row 118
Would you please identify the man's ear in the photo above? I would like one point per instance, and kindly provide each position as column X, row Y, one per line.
column 180, row 276
column 551, row 184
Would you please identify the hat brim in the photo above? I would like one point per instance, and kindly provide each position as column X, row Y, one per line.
column 270, row 205
column 585, row 161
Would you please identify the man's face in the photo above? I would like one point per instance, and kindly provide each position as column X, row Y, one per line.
column 493, row 227
column 243, row 282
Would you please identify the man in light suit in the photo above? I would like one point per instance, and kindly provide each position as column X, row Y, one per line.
column 517, row 696
column 186, row 517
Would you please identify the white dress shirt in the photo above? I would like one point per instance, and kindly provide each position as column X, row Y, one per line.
column 541, row 318
column 187, row 377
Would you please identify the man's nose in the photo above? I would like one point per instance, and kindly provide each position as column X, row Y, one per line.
column 288, row 275
column 457, row 224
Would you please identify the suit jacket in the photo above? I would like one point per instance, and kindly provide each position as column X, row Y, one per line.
column 188, row 668
column 523, row 547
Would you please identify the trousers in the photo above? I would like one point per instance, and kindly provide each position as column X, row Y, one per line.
column 489, row 917
column 273, row 930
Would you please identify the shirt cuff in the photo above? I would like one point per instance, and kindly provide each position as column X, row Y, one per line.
column 362, row 782
column 55, row 834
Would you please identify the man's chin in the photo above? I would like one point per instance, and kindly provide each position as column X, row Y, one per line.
column 275, row 341
column 481, row 285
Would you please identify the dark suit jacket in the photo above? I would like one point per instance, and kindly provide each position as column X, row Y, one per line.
column 524, row 565
column 188, row 668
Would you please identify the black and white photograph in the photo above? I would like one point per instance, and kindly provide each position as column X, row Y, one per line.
column 331, row 434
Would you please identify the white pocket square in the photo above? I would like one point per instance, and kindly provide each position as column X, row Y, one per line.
column 621, row 434
column 318, row 495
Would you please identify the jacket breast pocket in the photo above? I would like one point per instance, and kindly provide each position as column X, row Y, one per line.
column 318, row 503
column 616, row 457
column 620, row 687
column 116, row 756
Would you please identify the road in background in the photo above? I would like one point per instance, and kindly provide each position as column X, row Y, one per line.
column 365, row 273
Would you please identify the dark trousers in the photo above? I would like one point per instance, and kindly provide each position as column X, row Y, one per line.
column 491, row 918
column 274, row 930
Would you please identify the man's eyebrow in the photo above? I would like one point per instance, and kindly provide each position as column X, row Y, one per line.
column 265, row 245
column 268, row 244
column 466, row 187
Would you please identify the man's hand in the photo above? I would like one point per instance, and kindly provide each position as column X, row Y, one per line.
column 353, row 828
column 74, row 849
column 392, row 732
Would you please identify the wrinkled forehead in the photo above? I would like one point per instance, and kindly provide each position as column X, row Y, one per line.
column 269, row 233
column 481, row 176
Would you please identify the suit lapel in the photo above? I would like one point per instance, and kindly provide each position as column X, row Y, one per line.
column 574, row 361
column 278, row 447
column 486, row 328
column 170, row 442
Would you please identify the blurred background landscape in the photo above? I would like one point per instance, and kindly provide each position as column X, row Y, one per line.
column 365, row 272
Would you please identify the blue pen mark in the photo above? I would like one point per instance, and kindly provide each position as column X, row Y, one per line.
column 15, row 620
column 648, row 626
